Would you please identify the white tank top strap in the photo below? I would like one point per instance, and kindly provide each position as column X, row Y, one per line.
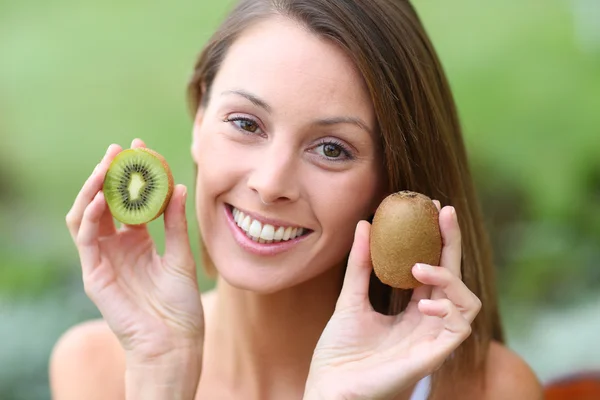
column 421, row 389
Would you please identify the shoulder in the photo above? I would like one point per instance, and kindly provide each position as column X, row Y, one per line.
column 508, row 376
column 87, row 361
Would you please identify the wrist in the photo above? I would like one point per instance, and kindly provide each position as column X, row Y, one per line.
column 164, row 350
column 320, row 391
column 171, row 376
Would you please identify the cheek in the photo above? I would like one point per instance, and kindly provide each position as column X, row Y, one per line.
column 213, row 158
column 346, row 201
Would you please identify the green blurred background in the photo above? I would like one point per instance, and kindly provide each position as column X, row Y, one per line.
column 76, row 76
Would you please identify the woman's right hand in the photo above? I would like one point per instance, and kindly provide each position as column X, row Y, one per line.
column 150, row 302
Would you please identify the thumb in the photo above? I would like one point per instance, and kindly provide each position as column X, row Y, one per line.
column 178, row 252
column 355, row 290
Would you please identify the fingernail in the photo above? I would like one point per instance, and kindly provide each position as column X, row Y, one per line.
column 426, row 301
column 424, row 267
column 184, row 194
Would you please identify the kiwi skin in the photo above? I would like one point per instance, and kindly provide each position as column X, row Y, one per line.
column 170, row 180
column 405, row 231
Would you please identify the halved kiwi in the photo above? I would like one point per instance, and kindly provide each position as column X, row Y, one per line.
column 138, row 186
column 405, row 231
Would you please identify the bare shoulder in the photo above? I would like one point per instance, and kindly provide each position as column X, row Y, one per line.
column 509, row 376
column 87, row 362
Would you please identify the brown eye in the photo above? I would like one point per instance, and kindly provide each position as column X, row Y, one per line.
column 247, row 125
column 331, row 150
column 244, row 124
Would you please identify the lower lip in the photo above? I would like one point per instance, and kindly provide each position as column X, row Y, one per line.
column 261, row 249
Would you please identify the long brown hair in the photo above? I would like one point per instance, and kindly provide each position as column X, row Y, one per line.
column 421, row 138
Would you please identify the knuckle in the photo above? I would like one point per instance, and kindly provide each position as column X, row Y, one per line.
column 467, row 330
column 70, row 219
column 448, row 305
column 445, row 274
column 477, row 303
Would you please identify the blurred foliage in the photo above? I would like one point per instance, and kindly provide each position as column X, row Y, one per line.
column 77, row 76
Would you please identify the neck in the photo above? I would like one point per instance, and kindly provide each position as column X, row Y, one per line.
column 265, row 342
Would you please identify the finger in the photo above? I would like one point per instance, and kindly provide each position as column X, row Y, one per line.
column 421, row 292
column 456, row 328
column 451, row 287
column 107, row 224
column 178, row 252
column 355, row 289
column 451, row 238
column 438, row 205
column 92, row 185
column 137, row 143
column 87, row 237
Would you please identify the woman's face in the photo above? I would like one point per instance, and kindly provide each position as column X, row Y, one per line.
column 287, row 157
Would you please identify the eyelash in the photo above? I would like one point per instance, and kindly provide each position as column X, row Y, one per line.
column 242, row 119
column 347, row 153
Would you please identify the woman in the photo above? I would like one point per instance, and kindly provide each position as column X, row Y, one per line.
column 307, row 114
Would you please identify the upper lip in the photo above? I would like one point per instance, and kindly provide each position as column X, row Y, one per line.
column 267, row 220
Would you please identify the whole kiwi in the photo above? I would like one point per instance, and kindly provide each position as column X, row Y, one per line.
column 405, row 231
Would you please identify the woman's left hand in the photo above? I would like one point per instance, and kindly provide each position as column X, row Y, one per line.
column 363, row 354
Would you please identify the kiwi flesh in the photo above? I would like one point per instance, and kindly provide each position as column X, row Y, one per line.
column 405, row 231
column 138, row 186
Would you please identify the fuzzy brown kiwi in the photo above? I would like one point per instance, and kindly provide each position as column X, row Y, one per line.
column 405, row 231
column 138, row 186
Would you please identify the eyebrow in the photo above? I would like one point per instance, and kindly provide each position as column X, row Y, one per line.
column 344, row 120
column 322, row 122
column 252, row 98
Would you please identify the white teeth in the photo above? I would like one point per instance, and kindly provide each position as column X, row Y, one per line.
column 255, row 228
column 239, row 217
column 264, row 233
column 268, row 232
column 287, row 233
column 279, row 233
column 246, row 223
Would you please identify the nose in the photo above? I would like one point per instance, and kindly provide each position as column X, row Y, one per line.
column 274, row 176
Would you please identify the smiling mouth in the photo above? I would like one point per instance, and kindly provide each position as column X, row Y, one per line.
column 265, row 233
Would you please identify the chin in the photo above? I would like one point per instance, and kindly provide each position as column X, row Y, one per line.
column 262, row 279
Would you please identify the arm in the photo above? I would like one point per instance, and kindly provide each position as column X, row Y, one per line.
column 509, row 377
column 172, row 377
column 151, row 303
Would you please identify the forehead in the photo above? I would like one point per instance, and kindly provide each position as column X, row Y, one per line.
column 282, row 62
